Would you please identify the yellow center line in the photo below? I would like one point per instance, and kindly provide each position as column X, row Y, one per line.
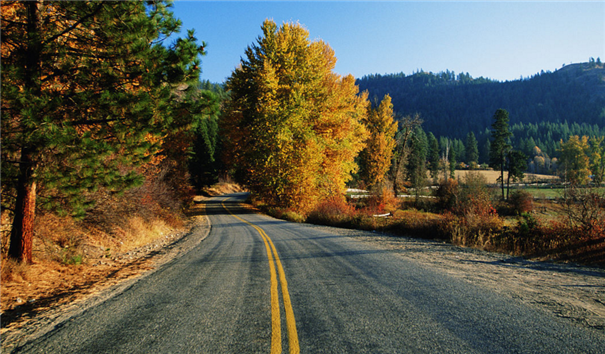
column 293, row 344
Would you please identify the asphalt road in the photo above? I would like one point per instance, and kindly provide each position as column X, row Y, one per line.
column 261, row 285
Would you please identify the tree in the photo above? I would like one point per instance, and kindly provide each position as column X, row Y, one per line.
column 500, row 146
column 203, row 163
column 87, row 92
column 517, row 164
column 574, row 164
column 472, row 149
column 377, row 155
column 417, row 160
column 434, row 159
column 293, row 126
column 452, row 163
column 597, row 159
column 402, row 149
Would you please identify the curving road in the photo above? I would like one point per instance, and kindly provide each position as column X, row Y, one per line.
column 261, row 285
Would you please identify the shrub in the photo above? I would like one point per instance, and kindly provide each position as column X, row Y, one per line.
column 286, row 214
column 447, row 194
column 521, row 202
column 474, row 197
column 333, row 211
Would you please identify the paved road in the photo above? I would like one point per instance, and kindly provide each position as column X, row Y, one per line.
column 260, row 285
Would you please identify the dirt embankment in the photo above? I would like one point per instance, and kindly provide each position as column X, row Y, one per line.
column 45, row 293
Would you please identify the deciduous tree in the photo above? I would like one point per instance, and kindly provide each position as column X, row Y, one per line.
column 575, row 161
column 377, row 155
column 294, row 126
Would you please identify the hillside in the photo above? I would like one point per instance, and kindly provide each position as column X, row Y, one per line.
column 452, row 105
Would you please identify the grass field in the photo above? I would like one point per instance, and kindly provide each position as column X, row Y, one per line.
column 492, row 176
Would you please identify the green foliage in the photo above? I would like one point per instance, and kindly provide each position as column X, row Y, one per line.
column 500, row 146
column 204, row 162
column 472, row 149
column 416, row 166
column 86, row 97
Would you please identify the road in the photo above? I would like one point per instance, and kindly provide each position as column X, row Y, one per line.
column 261, row 285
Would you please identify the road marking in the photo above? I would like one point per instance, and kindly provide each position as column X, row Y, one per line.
column 293, row 345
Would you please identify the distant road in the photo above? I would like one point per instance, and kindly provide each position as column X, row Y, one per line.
column 261, row 285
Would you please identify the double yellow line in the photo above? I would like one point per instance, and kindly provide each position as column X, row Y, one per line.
column 273, row 258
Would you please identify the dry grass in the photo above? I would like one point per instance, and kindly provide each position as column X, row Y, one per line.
column 223, row 188
column 492, row 176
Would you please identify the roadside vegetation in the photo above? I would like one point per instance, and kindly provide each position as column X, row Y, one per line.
column 468, row 212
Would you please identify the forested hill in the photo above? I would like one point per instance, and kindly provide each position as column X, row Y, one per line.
column 453, row 105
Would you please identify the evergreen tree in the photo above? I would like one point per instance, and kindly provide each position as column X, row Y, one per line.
column 517, row 164
column 500, row 146
column 472, row 150
column 87, row 92
column 416, row 166
column 293, row 125
column 452, row 163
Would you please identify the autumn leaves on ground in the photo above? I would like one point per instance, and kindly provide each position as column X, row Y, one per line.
column 108, row 135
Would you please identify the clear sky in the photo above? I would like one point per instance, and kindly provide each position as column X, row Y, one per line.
column 497, row 40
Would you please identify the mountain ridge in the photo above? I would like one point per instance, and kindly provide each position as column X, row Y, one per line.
column 452, row 105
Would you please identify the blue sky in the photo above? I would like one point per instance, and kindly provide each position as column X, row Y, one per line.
column 498, row 40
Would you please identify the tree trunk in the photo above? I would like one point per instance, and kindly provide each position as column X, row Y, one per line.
column 22, row 233
column 502, row 174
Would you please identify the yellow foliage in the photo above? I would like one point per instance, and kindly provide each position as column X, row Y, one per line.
column 378, row 153
column 294, row 127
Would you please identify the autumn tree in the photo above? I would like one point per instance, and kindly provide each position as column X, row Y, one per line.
column 574, row 164
column 87, row 92
column 377, row 155
column 500, row 146
column 293, row 126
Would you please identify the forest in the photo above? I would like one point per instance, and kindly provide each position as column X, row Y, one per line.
column 544, row 108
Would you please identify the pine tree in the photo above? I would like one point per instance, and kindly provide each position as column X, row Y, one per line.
column 87, row 92
column 293, row 126
column 500, row 146
column 376, row 156
column 472, row 150
column 517, row 164
column 452, row 163
column 416, row 166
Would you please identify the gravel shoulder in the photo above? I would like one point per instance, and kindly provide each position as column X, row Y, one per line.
column 569, row 291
